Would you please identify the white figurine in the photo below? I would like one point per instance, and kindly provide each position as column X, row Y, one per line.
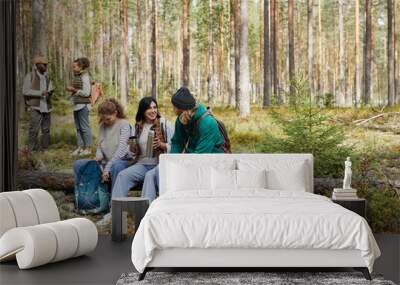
column 347, row 174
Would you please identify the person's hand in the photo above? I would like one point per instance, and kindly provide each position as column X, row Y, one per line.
column 133, row 147
column 98, row 159
column 71, row 89
column 45, row 93
column 159, row 144
column 106, row 176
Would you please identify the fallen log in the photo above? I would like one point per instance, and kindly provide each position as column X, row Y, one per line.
column 65, row 181
column 27, row 179
column 326, row 184
column 363, row 121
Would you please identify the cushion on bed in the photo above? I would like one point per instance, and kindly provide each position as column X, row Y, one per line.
column 223, row 179
column 251, row 178
column 232, row 180
column 281, row 174
column 200, row 160
column 285, row 171
column 181, row 177
column 185, row 175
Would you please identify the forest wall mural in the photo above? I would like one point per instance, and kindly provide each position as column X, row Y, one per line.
column 313, row 76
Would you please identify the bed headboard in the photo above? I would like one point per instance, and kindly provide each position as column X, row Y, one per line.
column 212, row 159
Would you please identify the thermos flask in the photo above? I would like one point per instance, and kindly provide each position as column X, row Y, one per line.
column 149, row 145
column 132, row 142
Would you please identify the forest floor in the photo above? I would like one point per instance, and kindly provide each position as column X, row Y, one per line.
column 378, row 138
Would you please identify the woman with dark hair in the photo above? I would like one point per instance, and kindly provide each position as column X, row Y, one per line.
column 112, row 150
column 81, row 89
column 149, row 124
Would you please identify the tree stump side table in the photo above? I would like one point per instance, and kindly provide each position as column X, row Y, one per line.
column 358, row 205
column 137, row 206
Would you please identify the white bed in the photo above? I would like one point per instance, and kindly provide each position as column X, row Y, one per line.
column 197, row 223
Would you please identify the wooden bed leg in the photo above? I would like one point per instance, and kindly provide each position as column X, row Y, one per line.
column 143, row 274
column 364, row 271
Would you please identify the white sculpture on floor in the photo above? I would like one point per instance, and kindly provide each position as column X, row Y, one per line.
column 31, row 231
column 347, row 174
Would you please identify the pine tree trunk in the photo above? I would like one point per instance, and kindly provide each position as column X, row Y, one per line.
column 101, row 43
column 221, row 56
column 110, row 45
column 244, row 103
column 146, row 56
column 298, row 30
column 342, row 80
column 21, row 68
column 210, row 55
column 367, row 53
column 231, row 63
column 52, row 42
column 177, row 60
column 273, row 49
column 259, row 95
column 390, row 55
column 237, row 52
column 310, row 25
column 358, row 68
column 397, row 97
column 139, row 46
column 291, row 51
column 185, row 75
column 123, row 63
column 39, row 31
column 267, row 69
column 78, row 13
column 153, row 51
column 320, row 67
column 26, row 43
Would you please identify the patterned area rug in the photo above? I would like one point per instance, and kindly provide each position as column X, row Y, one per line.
column 269, row 278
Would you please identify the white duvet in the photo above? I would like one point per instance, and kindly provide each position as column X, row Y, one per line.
column 252, row 218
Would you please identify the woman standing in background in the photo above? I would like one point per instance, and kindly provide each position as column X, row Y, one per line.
column 81, row 89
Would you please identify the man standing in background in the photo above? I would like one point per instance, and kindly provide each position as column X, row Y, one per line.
column 37, row 91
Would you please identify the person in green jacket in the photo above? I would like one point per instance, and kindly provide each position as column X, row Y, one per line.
column 195, row 131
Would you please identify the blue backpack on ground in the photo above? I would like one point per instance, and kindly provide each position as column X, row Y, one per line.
column 91, row 195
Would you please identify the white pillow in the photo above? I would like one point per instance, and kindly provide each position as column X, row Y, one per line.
column 184, row 177
column 251, row 178
column 281, row 174
column 198, row 160
column 223, row 179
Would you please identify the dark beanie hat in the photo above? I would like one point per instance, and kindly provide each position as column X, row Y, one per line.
column 183, row 99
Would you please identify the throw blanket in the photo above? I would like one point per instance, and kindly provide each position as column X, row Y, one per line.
column 252, row 218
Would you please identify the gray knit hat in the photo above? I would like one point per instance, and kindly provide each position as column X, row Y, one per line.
column 183, row 99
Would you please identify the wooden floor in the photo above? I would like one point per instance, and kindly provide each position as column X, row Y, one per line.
column 111, row 259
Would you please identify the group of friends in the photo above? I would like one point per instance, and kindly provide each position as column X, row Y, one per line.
column 124, row 165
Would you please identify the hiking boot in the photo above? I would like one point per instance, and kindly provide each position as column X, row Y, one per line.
column 105, row 221
column 77, row 151
column 85, row 152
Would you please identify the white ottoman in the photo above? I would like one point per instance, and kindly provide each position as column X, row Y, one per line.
column 31, row 230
